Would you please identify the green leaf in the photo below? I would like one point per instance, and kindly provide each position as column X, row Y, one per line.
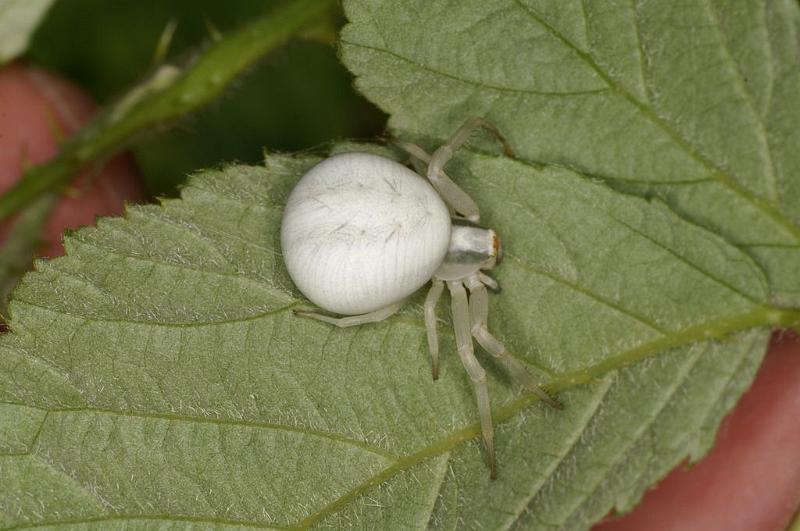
column 698, row 103
column 18, row 21
column 157, row 376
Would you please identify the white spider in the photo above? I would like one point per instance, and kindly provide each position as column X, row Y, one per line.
column 361, row 233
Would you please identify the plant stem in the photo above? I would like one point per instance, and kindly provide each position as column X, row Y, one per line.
column 169, row 94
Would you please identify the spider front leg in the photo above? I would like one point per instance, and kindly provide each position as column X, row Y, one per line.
column 462, row 134
column 451, row 193
column 479, row 313
column 456, row 199
column 354, row 320
column 419, row 157
column 460, row 308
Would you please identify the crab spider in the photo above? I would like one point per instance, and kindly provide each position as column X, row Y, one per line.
column 361, row 233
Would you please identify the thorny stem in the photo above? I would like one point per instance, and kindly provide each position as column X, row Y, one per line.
column 169, row 94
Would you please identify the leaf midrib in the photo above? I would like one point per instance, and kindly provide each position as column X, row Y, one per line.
column 713, row 329
column 564, row 381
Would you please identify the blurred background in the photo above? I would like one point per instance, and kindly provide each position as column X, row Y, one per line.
column 297, row 98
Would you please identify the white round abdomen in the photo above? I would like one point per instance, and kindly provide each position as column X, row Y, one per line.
column 361, row 232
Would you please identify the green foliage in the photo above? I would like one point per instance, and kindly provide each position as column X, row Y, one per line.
column 157, row 372
column 156, row 376
column 294, row 98
column 697, row 104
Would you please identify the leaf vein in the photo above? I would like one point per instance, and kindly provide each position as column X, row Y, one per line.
column 435, row 493
column 717, row 173
column 642, row 428
column 224, row 422
column 689, row 263
column 639, row 52
column 144, row 517
column 562, row 382
column 748, row 96
column 575, row 437
column 472, row 82
column 588, row 294
column 165, row 324
column 162, row 261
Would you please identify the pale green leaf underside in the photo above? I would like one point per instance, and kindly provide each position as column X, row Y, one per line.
column 18, row 21
column 697, row 103
column 156, row 376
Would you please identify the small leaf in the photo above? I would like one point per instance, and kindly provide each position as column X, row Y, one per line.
column 157, row 373
column 18, row 21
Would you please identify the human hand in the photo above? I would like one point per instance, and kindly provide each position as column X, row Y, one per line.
column 38, row 110
column 750, row 481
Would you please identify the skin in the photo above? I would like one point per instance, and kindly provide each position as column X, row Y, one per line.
column 749, row 481
column 37, row 111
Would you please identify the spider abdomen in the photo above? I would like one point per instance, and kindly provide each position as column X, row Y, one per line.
column 361, row 232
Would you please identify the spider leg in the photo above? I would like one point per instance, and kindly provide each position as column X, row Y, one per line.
column 430, row 323
column 479, row 313
column 488, row 281
column 420, row 160
column 456, row 198
column 460, row 308
column 416, row 152
column 452, row 194
column 354, row 320
column 463, row 133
